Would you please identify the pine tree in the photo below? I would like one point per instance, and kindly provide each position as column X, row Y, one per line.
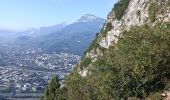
column 53, row 91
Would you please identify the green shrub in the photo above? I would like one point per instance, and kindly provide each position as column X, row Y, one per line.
column 120, row 7
column 168, row 25
column 93, row 44
column 85, row 62
column 108, row 26
column 143, row 55
column 53, row 91
column 152, row 10
column 75, row 87
column 134, row 68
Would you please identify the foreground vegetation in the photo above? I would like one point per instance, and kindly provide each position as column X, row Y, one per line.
column 138, row 66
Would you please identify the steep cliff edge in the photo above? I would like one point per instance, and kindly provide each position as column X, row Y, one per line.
column 124, row 15
column 129, row 58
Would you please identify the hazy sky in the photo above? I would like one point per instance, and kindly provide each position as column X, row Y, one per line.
column 21, row 14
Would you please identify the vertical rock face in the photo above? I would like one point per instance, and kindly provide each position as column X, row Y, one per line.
column 137, row 13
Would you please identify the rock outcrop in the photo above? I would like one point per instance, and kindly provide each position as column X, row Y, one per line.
column 137, row 13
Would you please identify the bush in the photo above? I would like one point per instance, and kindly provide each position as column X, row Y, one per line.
column 137, row 67
column 134, row 69
column 85, row 62
column 108, row 26
column 53, row 91
column 93, row 44
column 120, row 7
column 152, row 10
column 144, row 56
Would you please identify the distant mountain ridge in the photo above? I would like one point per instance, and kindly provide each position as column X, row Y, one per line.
column 72, row 37
column 7, row 34
column 89, row 18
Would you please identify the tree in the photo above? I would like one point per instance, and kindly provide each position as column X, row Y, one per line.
column 53, row 91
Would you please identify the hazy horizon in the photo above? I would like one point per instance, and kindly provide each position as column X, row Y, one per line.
column 20, row 15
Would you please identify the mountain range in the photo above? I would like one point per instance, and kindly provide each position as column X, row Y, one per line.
column 70, row 37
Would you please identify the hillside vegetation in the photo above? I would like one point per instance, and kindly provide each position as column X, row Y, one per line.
column 136, row 67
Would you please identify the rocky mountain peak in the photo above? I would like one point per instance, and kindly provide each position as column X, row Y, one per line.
column 89, row 18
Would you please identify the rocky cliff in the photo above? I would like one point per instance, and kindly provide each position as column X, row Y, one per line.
column 129, row 58
column 125, row 15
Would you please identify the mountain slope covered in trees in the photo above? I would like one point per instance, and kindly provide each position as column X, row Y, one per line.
column 129, row 58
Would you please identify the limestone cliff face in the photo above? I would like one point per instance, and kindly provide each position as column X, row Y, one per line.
column 137, row 13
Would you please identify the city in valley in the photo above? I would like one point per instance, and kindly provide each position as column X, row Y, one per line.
column 28, row 70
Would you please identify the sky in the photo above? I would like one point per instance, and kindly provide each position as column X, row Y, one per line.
column 22, row 14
